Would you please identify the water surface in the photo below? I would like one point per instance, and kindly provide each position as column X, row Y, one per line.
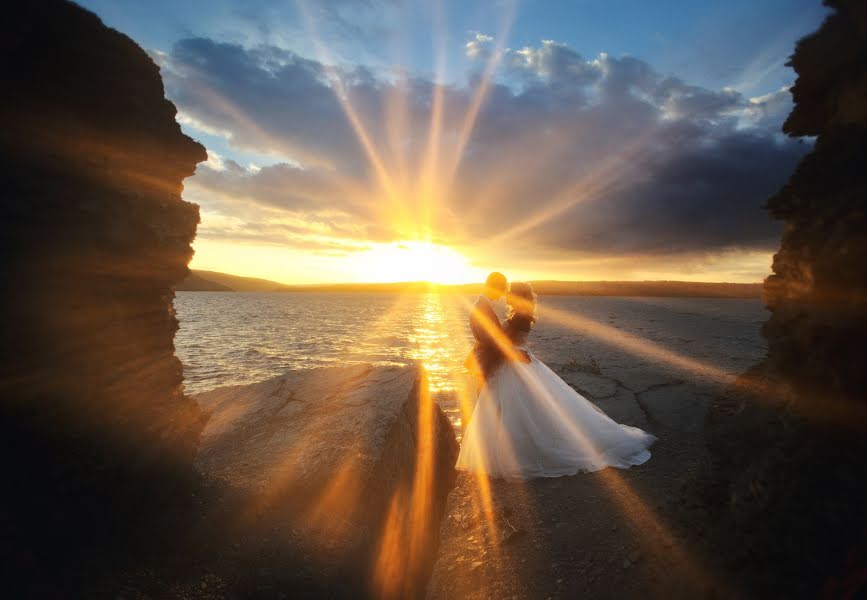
column 229, row 338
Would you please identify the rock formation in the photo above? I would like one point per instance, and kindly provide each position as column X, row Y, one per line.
column 345, row 470
column 96, row 432
column 786, row 445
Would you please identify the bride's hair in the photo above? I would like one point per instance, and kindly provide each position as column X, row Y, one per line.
column 522, row 306
column 522, row 314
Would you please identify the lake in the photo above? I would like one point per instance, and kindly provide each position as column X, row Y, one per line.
column 231, row 338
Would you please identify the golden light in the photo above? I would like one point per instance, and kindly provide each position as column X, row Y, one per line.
column 413, row 261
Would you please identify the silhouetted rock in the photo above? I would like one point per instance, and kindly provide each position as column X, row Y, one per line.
column 349, row 467
column 97, row 435
column 787, row 444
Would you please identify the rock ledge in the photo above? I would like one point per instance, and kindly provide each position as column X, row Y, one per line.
column 353, row 463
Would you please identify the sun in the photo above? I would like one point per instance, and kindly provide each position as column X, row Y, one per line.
column 414, row 261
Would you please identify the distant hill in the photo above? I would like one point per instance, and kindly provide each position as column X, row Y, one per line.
column 212, row 281
column 695, row 289
column 565, row 288
column 196, row 283
column 200, row 281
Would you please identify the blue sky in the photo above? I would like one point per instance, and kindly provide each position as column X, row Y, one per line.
column 707, row 43
column 652, row 131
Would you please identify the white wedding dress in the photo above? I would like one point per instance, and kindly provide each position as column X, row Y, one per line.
column 529, row 423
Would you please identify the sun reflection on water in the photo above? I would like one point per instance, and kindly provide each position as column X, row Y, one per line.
column 441, row 347
column 430, row 344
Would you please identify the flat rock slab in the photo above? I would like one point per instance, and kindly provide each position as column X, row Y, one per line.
column 356, row 461
column 306, row 424
column 639, row 379
column 623, row 408
column 588, row 384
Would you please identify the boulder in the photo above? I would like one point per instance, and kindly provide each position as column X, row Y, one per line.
column 356, row 461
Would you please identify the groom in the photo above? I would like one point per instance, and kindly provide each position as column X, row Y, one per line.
column 483, row 322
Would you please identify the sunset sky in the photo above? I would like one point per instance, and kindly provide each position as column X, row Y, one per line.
column 390, row 140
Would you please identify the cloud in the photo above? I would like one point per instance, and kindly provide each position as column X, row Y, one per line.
column 479, row 46
column 215, row 161
column 552, row 63
column 236, row 206
column 280, row 186
column 271, row 100
column 568, row 154
column 705, row 196
column 769, row 110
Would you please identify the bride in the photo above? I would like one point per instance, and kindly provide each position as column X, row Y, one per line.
column 529, row 423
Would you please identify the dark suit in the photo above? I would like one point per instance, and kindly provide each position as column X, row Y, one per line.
column 484, row 324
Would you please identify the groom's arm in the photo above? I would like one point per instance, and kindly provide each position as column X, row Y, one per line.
column 484, row 324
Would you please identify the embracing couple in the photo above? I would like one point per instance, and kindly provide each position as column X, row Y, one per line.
column 528, row 422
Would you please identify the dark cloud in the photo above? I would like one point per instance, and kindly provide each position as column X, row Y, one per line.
column 270, row 100
column 604, row 155
column 703, row 197
column 281, row 186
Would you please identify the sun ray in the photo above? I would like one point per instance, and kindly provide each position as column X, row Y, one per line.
column 427, row 177
column 520, row 157
column 388, row 566
column 481, row 494
column 832, row 412
column 404, row 534
column 283, row 475
column 481, row 477
column 646, row 522
column 614, row 171
column 637, row 345
column 403, row 547
column 481, row 92
column 351, row 191
column 657, row 535
column 210, row 96
column 517, row 359
column 396, row 120
column 341, row 93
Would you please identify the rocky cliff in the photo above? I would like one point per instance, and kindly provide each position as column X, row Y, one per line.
column 95, row 430
column 787, row 443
